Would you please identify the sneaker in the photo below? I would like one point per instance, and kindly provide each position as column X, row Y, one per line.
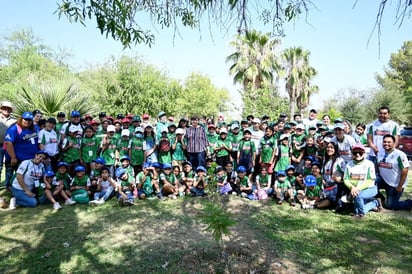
column 347, row 199
column 128, row 202
column 234, row 193
column 172, row 196
column 160, row 196
column 100, row 201
column 57, row 206
column 279, row 202
column 243, row 195
column 292, row 203
column 12, row 205
column 93, row 202
column 69, row 202
column 120, row 201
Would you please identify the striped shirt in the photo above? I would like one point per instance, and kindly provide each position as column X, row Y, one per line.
column 196, row 139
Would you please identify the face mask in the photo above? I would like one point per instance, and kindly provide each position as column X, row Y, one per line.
column 139, row 135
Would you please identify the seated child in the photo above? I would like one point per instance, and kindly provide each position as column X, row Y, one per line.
column 264, row 181
column 125, row 187
column 188, row 176
column 312, row 194
column 50, row 190
column 105, row 187
column 168, row 182
column 98, row 163
column 223, row 185
column 62, row 177
column 80, row 185
column 283, row 189
column 243, row 182
column 125, row 164
column 147, row 182
column 200, row 182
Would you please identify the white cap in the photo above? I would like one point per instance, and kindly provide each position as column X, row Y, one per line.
column 223, row 130
column 180, row 131
column 125, row 132
column 111, row 128
column 139, row 129
column 6, row 104
column 256, row 120
column 283, row 136
column 148, row 125
column 300, row 126
column 164, row 129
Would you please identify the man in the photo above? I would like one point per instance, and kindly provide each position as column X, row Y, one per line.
column 359, row 177
column 197, row 143
column 344, row 141
column 312, row 120
column 74, row 123
column 393, row 167
column 377, row 129
column 6, row 121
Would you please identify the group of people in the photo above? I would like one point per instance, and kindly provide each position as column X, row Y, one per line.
column 316, row 163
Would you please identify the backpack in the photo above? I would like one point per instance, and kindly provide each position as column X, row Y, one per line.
column 66, row 132
column 80, row 196
column 164, row 145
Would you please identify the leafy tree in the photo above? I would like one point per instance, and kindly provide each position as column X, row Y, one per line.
column 397, row 77
column 254, row 65
column 200, row 96
column 298, row 77
column 268, row 102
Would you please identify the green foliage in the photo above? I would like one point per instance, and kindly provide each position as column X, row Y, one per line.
column 217, row 219
column 52, row 97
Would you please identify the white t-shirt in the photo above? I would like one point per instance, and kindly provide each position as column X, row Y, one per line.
column 50, row 141
column 32, row 174
column 358, row 173
column 257, row 135
column 345, row 147
column 391, row 166
column 378, row 130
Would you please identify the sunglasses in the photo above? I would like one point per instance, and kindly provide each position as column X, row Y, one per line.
column 30, row 120
column 360, row 153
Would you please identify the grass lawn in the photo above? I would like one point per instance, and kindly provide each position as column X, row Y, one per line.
column 167, row 236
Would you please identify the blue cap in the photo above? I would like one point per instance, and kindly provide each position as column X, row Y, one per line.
column 43, row 152
column 310, row 157
column 100, row 160
column 75, row 113
column 200, row 168
column 49, row 173
column 124, row 157
column 290, row 167
column 241, row 169
column 316, row 163
column 27, row 115
column 310, row 180
column 80, row 168
column 120, row 171
column 157, row 165
column 281, row 173
column 59, row 164
column 146, row 165
column 167, row 166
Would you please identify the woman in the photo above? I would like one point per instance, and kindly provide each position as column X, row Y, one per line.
column 326, row 121
column 27, row 180
column 21, row 143
column 332, row 173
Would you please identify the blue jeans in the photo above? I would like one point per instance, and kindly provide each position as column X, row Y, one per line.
column 22, row 199
column 197, row 159
column 392, row 196
column 104, row 194
column 365, row 201
column 2, row 152
column 197, row 191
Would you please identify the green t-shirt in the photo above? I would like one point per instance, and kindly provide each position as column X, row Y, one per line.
column 268, row 145
column 83, row 181
column 298, row 140
column 122, row 147
column 223, row 152
column 244, row 182
column 72, row 154
column 89, row 148
column 283, row 158
column 313, row 193
column 65, row 177
column 109, row 154
column 136, row 147
column 235, row 140
column 179, row 153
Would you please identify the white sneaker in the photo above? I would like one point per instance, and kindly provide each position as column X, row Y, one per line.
column 12, row 205
column 93, row 202
column 99, row 201
column 234, row 193
column 243, row 195
column 69, row 202
column 57, row 206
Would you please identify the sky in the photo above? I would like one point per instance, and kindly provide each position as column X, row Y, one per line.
column 336, row 32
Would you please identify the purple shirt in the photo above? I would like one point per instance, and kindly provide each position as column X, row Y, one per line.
column 196, row 139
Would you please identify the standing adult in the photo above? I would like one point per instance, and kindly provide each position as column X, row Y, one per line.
column 312, row 119
column 379, row 128
column 197, row 143
column 393, row 167
column 73, row 125
column 6, row 120
column 21, row 143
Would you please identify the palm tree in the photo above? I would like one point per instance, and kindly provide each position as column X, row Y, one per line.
column 298, row 77
column 254, row 63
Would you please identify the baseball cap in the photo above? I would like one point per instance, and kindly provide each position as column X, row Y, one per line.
column 145, row 116
column 200, row 168
column 339, row 126
column 27, row 115
column 75, row 113
column 139, row 129
column 223, row 130
column 6, row 104
column 281, row 173
column 300, row 126
column 256, row 120
column 284, row 136
column 180, row 131
column 51, row 120
column 162, row 113
column 358, row 147
column 125, row 132
column 111, row 128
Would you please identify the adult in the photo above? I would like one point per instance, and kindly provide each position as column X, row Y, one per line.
column 312, row 119
column 37, row 115
column 377, row 129
column 6, row 120
column 28, row 176
column 359, row 178
column 197, row 143
column 345, row 142
column 74, row 125
column 327, row 121
column 21, row 143
column 393, row 167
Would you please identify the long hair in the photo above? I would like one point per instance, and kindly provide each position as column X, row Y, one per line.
column 20, row 123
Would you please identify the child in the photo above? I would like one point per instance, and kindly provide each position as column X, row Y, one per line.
column 179, row 147
column 222, row 148
column 97, row 164
column 247, row 152
column 264, row 181
column 136, row 152
column 283, row 188
column 168, row 182
column 105, row 187
column 147, row 182
column 80, row 185
column 231, row 176
column 200, row 182
column 62, row 177
column 149, row 145
column 188, row 176
column 282, row 153
column 243, row 182
column 108, row 149
column 125, row 187
column 122, row 146
column 71, row 149
column 125, row 164
column 89, row 147
column 47, row 191
column 164, row 147
column 223, row 185
column 312, row 193
column 310, row 148
column 268, row 147
column 212, row 138
column 179, row 176
column 307, row 165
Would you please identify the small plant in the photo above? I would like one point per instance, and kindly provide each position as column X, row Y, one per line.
column 218, row 221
